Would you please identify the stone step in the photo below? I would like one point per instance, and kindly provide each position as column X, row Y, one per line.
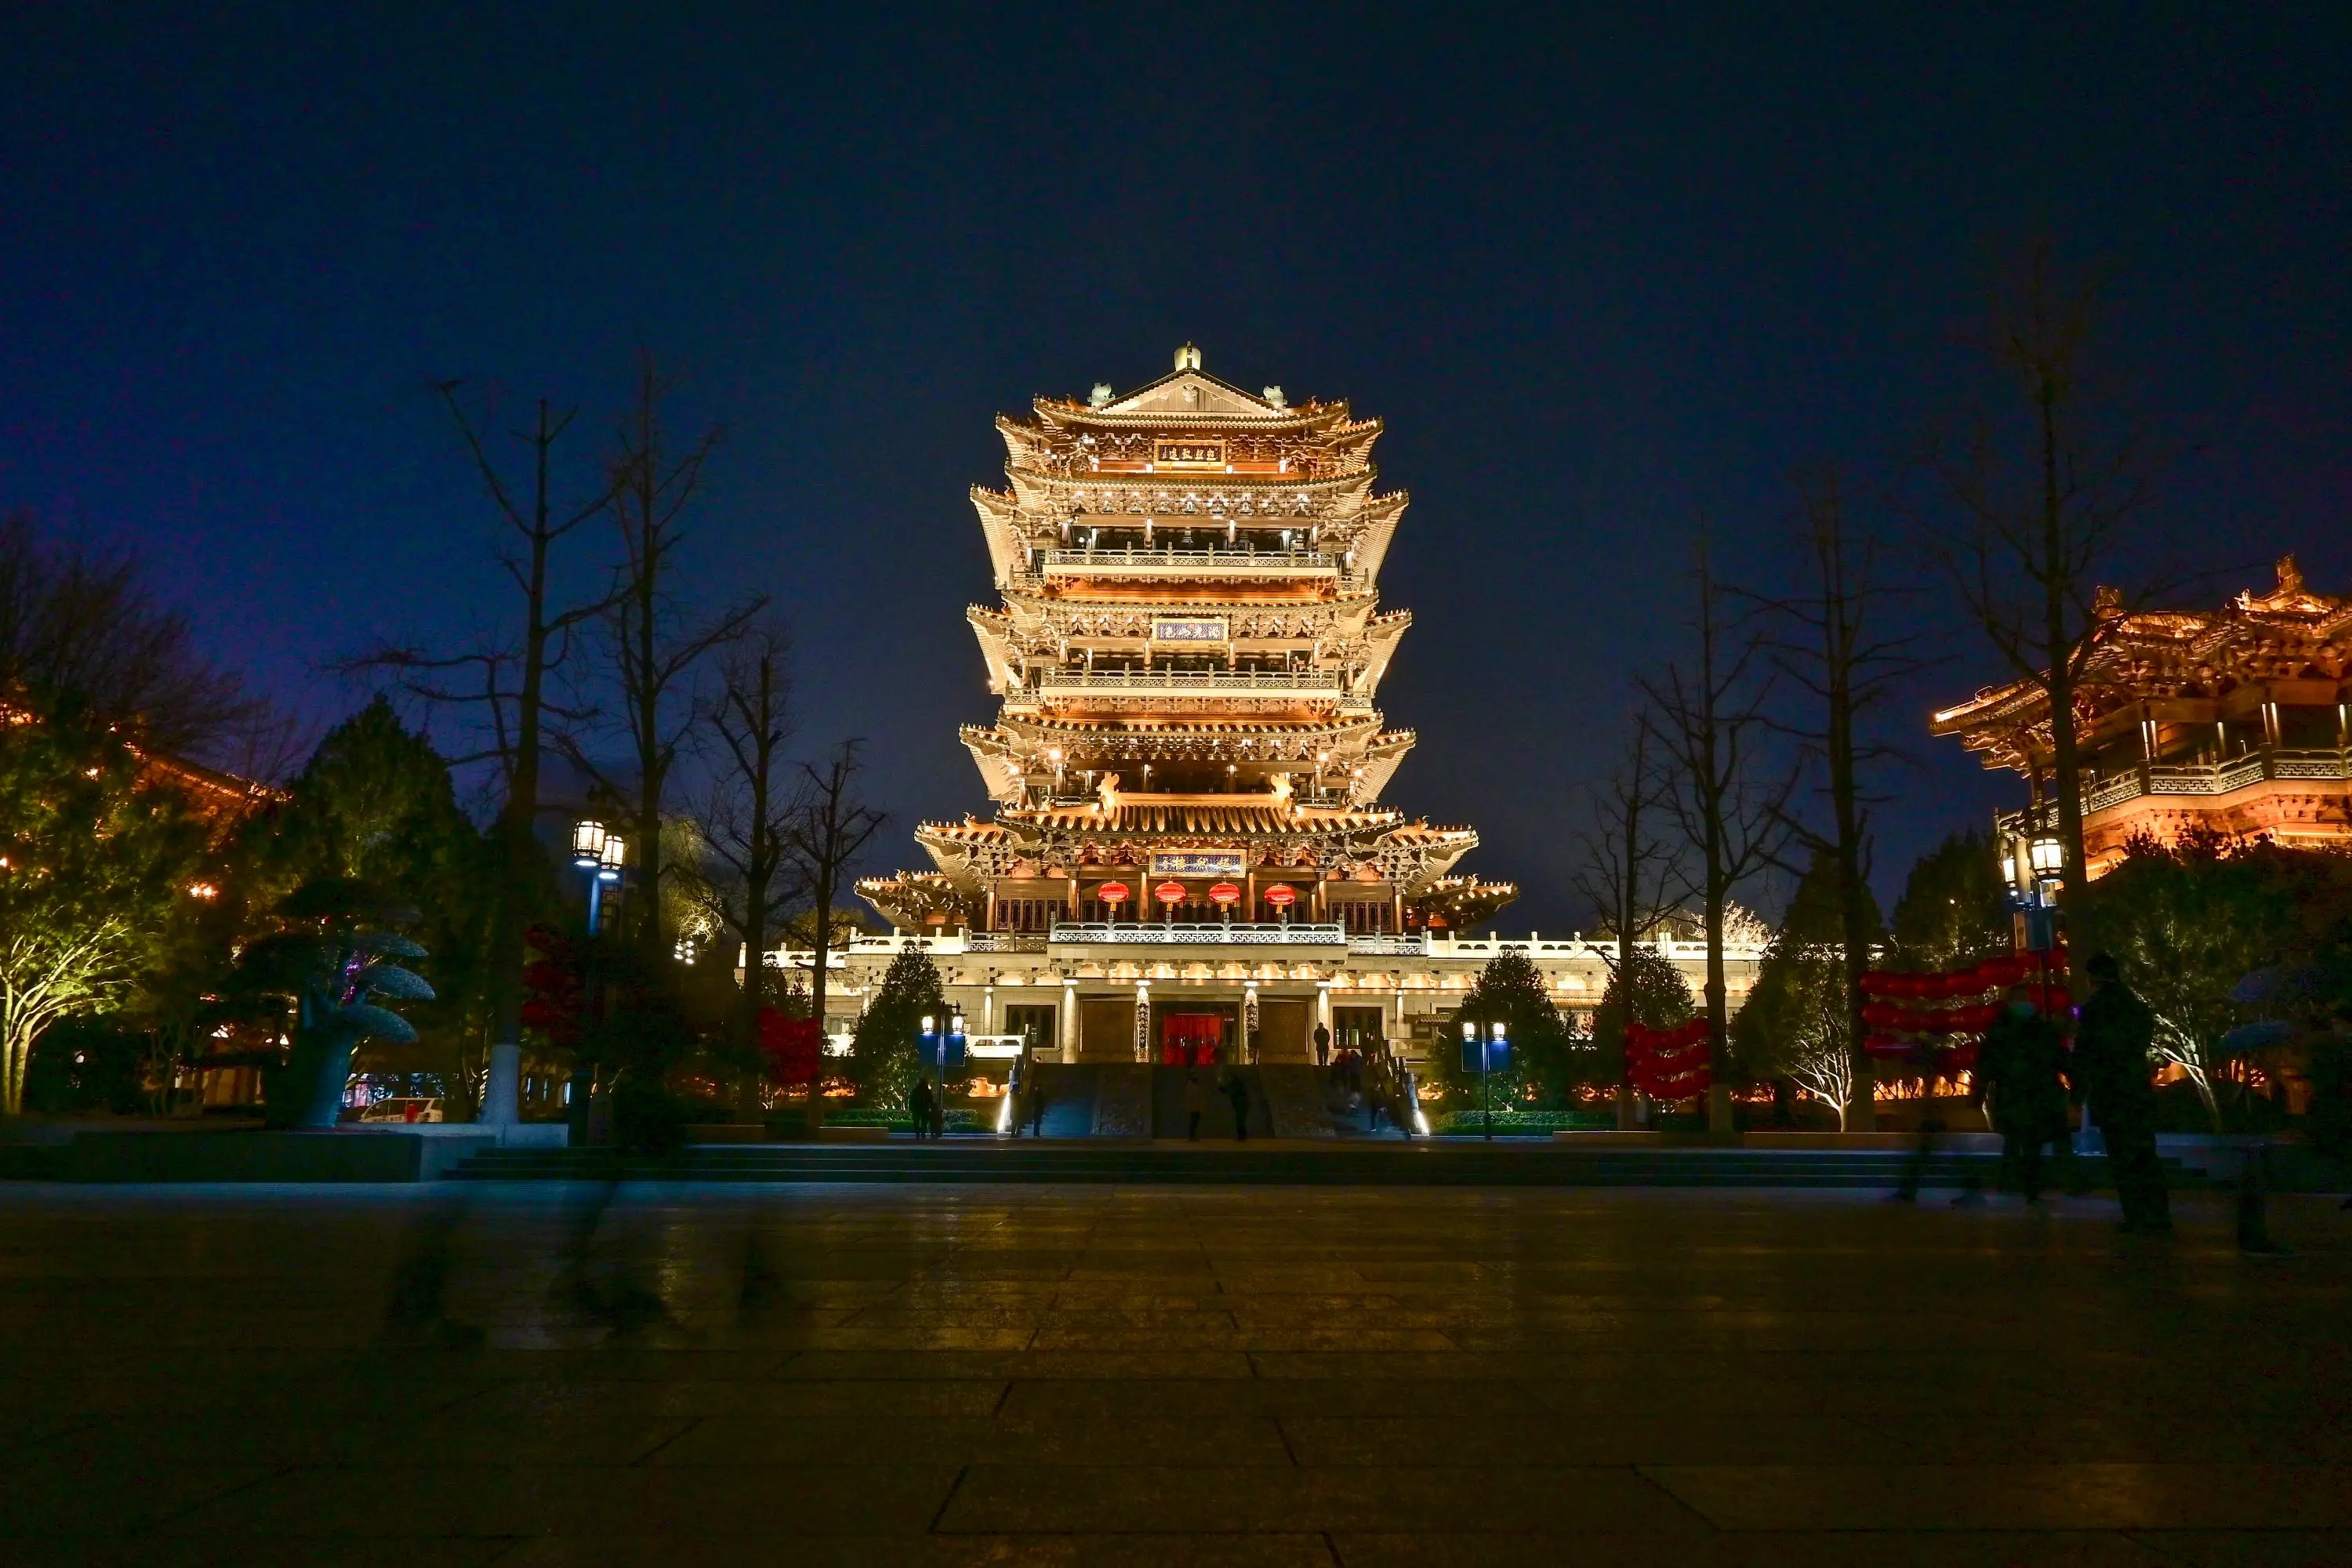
column 980, row 1161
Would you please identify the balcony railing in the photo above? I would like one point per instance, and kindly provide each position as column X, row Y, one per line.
column 1190, row 562
column 1004, row 941
column 1206, row 682
column 2201, row 778
column 1201, row 934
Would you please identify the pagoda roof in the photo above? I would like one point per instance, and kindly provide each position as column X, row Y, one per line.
column 2287, row 636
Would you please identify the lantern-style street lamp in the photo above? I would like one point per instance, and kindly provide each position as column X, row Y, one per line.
column 600, row 854
column 1486, row 1049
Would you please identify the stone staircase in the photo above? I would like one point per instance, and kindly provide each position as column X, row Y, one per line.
column 1336, row 1162
column 1294, row 1101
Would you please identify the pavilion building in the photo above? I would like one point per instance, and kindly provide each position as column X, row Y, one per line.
column 1189, row 858
column 2231, row 721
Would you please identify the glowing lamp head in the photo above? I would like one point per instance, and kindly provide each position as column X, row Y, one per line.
column 2048, row 856
column 930, row 1024
column 587, row 844
column 1469, row 1030
column 615, row 856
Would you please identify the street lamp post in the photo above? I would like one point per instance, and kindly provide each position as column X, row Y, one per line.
column 939, row 1052
column 1486, row 1049
column 600, row 856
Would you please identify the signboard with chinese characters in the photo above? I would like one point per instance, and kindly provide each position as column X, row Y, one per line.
column 1189, row 452
column 1191, row 628
column 1198, row 863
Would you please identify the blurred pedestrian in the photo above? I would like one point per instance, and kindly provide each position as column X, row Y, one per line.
column 2110, row 1069
column 1237, row 1092
column 2018, row 1068
column 919, row 1107
column 1196, row 1101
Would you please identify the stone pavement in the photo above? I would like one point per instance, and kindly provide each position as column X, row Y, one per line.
column 548, row 1373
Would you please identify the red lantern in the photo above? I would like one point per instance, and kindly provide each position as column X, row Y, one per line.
column 1169, row 892
column 1112, row 893
column 1224, row 893
column 1282, row 896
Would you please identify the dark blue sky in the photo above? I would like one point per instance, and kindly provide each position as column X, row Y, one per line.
column 1602, row 277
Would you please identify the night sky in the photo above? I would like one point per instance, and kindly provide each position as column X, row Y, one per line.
column 1602, row 280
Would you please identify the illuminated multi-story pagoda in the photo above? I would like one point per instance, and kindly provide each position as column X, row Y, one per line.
column 1188, row 649
column 2229, row 721
column 1187, row 652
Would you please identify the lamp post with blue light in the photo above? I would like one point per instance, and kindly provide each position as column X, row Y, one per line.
column 1486, row 1049
column 942, row 1052
column 601, row 855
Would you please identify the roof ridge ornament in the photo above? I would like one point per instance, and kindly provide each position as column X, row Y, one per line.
column 1187, row 357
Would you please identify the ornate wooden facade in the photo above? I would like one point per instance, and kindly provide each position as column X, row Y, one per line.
column 2233, row 721
column 1186, row 651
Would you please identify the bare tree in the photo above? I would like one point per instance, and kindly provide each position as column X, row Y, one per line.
column 504, row 685
column 830, row 828
column 656, row 645
column 80, row 630
column 752, row 882
column 1627, row 872
column 1826, row 645
column 2049, row 495
column 1707, row 718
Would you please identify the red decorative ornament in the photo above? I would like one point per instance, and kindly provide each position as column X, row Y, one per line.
column 1282, row 896
column 793, row 1046
column 1112, row 893
column 1224, row 893
column 1169, row 892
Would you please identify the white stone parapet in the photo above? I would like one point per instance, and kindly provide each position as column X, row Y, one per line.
column 1238, row 933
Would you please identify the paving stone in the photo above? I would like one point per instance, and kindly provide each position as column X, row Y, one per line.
column 949, row 1377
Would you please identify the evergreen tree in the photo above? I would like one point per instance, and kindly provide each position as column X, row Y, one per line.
column 884, row 1052
column 376, row 806
column 1510, row 991
column 1661, row 998
column 1955, row 907
column 1797, row 1023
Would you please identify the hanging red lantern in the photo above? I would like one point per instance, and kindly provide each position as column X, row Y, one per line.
column 1224, row 893
column 1112, row 893
column 1282, row 896
column 1169, row 892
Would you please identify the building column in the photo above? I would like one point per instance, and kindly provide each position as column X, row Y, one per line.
column 1143, row 1021
column 1323, row 1003
column 1067, row 1025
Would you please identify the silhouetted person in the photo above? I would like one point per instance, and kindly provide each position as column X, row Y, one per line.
column 1322, row 1046
column 1037, row 1111
column 2017, row 1067
column 1196, row 1101
column 919, row 1107
column 2110, row 1069
column 1237, row 1091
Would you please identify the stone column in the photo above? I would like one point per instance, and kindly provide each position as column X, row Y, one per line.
column 1067, row 1023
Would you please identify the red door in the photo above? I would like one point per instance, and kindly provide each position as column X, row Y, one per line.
column 1190, row 1039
